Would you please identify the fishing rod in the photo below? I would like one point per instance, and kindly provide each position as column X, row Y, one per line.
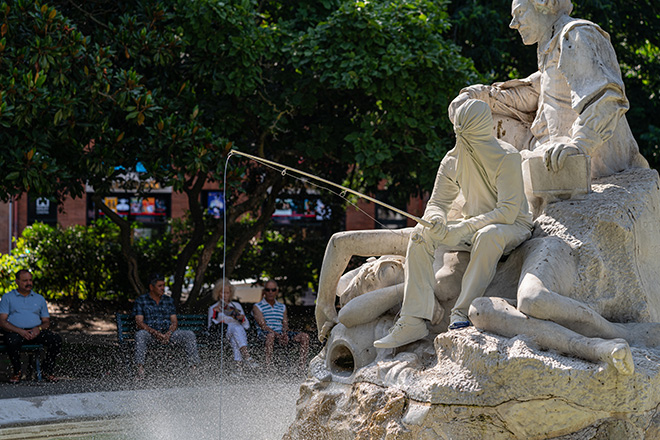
column 357, row 193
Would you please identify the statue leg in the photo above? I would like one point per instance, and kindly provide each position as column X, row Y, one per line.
column 418, row 295
column 498, row 316
column 341, row 247
column 489, row 244
column 371, row 305
column 548, row 268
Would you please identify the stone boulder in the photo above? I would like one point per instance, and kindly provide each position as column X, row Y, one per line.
column 473, row 385
column 483, row 386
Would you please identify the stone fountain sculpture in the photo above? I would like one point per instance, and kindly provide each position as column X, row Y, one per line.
column 565, row 339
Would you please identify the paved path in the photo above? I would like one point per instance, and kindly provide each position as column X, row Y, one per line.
column 207, row 404
column 220, row 411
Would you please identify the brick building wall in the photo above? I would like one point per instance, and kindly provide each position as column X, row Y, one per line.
column 74, row 212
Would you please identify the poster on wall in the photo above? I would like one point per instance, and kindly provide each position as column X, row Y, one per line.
column 215, row 204
column 149, row 210
column 297, row 210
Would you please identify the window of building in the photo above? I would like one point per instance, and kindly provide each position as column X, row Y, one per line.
column 300, row 209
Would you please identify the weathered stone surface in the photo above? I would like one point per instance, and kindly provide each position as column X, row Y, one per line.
column 473, row 385
column 484, row 386
column 615, row 233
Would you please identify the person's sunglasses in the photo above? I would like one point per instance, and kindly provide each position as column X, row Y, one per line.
column 267, row 289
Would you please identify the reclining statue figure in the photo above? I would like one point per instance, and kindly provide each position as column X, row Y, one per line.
column 573, row 105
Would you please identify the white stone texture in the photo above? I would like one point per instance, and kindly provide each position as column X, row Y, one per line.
column 475, row 385
column 573, row 179
column 484, row 386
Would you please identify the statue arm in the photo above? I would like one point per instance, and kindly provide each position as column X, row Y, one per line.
column 445, row 191
column 516, row 98
column 341, row 247
column 597, row 90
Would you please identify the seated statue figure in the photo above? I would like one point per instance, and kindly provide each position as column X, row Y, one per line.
column 572, row 105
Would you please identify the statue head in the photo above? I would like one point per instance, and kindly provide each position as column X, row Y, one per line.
column 374, row 274
column 534, row 18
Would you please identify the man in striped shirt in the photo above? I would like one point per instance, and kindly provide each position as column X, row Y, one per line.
column 273, row 325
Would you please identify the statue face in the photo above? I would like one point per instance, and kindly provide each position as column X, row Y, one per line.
column 530, row 23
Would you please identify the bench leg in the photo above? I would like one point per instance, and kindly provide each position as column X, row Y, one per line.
column 37, row 365
column 34, row 359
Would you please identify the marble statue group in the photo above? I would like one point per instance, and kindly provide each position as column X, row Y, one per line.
column 483, row 206
column 528, row 307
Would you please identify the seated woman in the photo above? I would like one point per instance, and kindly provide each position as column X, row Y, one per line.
column 231, row 314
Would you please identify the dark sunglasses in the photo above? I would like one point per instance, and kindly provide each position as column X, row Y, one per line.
column 266, row 289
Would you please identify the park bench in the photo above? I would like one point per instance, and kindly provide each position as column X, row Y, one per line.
column 126, row 330
column 34, row 352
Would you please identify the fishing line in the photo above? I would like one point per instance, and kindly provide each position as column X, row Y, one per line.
column 342, row 195
column 224, row 283
column 283, row 171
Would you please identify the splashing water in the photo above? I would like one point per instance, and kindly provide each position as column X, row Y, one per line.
column 253, row 408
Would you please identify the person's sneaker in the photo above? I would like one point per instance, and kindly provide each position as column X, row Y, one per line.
column 16, row 378
column 407, row 329
column 458, row 320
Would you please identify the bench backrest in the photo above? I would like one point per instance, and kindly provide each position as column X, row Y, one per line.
column 126, row 326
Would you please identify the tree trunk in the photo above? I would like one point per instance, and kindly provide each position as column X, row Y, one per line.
column 126, row 237
column 193, row 189
column 238, row 244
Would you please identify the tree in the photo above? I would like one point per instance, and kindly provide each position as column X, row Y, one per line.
column 352, row 91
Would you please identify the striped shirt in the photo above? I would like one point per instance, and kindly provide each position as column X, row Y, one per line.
column 273, row 315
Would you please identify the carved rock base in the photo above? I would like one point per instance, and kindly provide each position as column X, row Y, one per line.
column 484, row 386
column 469, row 384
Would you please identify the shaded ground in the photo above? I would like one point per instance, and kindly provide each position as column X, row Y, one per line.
column 92, row 361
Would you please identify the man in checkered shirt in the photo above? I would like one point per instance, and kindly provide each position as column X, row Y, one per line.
column 156, row 322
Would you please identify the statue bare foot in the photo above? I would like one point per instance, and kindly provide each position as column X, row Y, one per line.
column 616, row 352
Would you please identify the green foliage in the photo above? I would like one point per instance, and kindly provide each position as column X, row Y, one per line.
column 352, row 91
column 78, row 262
column 394, row 75
column 81, row 262
column 58, row 93
column 9, row 265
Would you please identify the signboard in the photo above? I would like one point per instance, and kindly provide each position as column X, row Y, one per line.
column 41, row 209
column 215, row 203
column 152, row 209
column 295, row 210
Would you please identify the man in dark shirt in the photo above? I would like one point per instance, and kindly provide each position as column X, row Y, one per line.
column 155, row 319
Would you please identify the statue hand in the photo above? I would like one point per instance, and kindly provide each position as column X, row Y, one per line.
column 475, row 91
column 455, row 234
column 325, row 329
column 555, row 156
column 439, row 229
